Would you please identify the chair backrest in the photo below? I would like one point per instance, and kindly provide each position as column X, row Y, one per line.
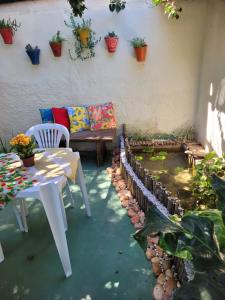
column 49, row 135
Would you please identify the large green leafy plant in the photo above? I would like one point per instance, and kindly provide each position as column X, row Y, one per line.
column 199, row 236
column 202, row 188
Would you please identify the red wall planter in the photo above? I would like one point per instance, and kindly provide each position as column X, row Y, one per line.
column 7, row 35
column 56, row 48
column 141, row 53
column 111, row 43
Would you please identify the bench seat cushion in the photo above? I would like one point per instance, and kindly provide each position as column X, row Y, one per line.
column 93, row 136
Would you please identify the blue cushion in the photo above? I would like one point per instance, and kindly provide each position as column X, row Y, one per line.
column 46, row 115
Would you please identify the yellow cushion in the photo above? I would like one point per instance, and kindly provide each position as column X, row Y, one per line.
column 79, row 119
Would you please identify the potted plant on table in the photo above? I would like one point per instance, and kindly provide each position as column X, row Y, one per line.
column 111, row 40
column 24, row 145
column 33, row 53
column 140, row 48
column 8, row 29
column 56, row 44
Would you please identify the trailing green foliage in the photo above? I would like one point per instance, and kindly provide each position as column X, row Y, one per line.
column 170, row 7
column 81, row 50
column 199, row 236
column 117, row 5
column 78, row 7
column 202, row 188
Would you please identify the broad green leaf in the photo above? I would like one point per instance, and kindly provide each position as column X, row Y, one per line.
column 218, row 185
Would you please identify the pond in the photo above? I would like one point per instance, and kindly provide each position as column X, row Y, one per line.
column 172, row 170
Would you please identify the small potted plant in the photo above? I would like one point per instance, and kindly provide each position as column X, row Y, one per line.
column 33, row 53
column 8, row 29
column 24, row 145
column 56, row 44
column 140, row 48
column 84, row 30
column 111, row 41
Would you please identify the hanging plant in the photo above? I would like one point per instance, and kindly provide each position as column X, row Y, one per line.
column 117, row 5
column 111, row 40
column 33, row 53
column 170, row 8
column 140, row 48
column 78, row 7
column 8, row 29
column 85, row 39
column 56, row 44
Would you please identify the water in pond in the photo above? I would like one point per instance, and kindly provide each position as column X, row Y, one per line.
column 171, row 169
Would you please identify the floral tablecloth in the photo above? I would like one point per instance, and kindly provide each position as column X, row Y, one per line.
column 13, row 178
column 51, row 164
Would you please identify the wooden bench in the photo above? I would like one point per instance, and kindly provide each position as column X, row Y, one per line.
column 100, row 138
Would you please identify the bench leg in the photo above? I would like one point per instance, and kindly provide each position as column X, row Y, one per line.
column 100, row 146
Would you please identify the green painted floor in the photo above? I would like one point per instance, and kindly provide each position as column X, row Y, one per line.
column 106, row 261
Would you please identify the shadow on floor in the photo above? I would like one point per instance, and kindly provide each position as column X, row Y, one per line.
column 106, row 261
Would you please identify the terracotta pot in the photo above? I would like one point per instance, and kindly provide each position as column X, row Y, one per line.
column 28, row 161
column 56, row 48
column 111, row 43
column 84, row 36
column 7, row 35
column 141, row 53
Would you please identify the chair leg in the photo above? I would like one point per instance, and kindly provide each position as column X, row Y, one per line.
column 81, row 182
column 18, row 216
column 63, row 212
column 23, row 214
column 70, row 194
column 1, row 254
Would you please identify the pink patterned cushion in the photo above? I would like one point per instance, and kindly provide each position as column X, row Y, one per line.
column 102, row 116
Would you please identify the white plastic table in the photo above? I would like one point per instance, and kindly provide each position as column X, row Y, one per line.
column 48, row 191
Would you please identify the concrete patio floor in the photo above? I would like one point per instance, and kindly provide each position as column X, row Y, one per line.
column 106, row 261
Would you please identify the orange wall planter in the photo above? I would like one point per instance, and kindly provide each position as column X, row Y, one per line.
column 7, row 35
column 141, row 53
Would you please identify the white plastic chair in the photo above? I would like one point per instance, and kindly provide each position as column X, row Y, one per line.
column 49, row 135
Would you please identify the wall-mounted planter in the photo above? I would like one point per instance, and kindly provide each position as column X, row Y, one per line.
column 7, row 35
column 111, row 43
column 34, row 54
column 56, row 48
column 141, row 53
column 84, row 34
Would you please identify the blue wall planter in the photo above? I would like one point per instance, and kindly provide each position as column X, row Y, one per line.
column 34, row 56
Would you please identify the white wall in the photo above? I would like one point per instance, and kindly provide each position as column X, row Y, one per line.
column 211, row 110
column 159, row 95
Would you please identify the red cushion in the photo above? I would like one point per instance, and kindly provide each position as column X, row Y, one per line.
column 60, row 116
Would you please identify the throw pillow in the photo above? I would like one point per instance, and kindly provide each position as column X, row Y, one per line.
column 102, row 116
column 60, row 116
column 46, row 115
column 79, row 119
